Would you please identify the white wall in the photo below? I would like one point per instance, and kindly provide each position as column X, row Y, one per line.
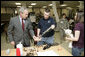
column 65, row 11
column 42, row 10
column 7, row 10
column 3, row 10
column 30, row 9
column 10, row 11
column 37, row 10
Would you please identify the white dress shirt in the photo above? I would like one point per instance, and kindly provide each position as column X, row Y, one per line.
column 21, row 20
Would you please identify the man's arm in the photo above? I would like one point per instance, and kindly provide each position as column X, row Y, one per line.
column 9, row 32
column 31, row 29
column 38, row 32
column 67, row 24
column 53, row 24
column 39, row 28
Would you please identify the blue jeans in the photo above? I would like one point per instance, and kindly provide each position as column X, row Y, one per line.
column 77, row 51
column 47, row 40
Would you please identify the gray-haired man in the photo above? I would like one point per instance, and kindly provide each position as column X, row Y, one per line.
column 20, row 26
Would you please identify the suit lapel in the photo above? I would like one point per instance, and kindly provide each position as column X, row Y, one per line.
column 19, row 23
column 25, row 24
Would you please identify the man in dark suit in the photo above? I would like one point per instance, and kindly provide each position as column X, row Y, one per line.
column 19, row 27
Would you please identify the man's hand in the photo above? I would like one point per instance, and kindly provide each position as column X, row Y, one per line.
column 39, row 38
column 52, row 26
column 12, row 43
column 36, row 38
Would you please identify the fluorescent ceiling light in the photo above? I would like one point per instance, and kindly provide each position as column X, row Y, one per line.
column 18, row 6
column 44, row 6
column 69, row 8
column 50, row 4
column 63, row 5
column 33, row 3
column 78, row 6
column 15, row 12
column 18, row 3
column 29, row 6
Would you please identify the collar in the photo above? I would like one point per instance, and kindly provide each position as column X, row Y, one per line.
column 46, row 19
column 20, row 17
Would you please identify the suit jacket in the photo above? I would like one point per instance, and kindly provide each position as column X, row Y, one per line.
column 16, row 33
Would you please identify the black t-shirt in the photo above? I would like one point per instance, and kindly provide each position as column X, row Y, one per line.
column 44, row 24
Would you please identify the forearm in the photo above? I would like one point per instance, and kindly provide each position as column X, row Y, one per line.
column 30, row 29
column 32, row 33
column 10, row 30
column 38, row 32
column 72, row 39
column 68, row 25
column 10, row 37
column 76, row 38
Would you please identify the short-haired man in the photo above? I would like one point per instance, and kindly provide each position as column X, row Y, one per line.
column 43, row 25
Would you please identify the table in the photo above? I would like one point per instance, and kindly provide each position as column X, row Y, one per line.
column 57, row 49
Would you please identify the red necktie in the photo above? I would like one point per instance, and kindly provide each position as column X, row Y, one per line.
column 22, row 25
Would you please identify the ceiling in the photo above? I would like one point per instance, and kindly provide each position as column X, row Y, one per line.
column 39, row 4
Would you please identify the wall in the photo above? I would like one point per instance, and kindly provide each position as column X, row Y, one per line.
column 7, row 10
column 3, row 10
column 65, row 11
column 36, row 10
